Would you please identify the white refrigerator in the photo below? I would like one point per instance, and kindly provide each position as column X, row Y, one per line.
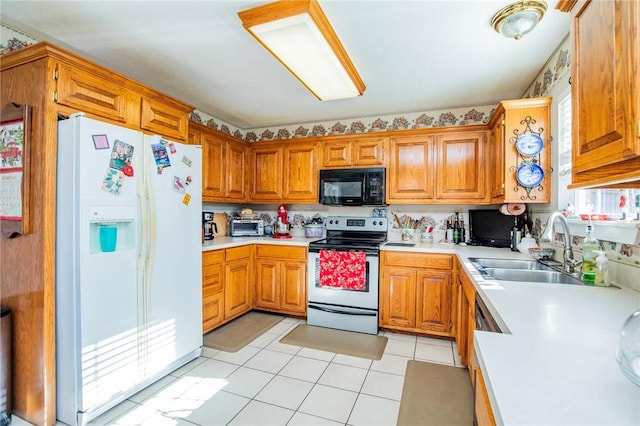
column 128, row 263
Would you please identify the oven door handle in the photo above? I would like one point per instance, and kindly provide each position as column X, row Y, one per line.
column 337, row 311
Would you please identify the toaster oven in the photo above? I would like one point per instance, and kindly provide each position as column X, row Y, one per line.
column 247, row 227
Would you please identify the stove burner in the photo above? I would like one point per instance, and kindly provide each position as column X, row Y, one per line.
column 353, row 234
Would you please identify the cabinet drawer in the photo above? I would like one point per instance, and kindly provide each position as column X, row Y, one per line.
column 433, row 261
column 238, row 253
column 212, row 277
column 281, row 252
column 210, row 258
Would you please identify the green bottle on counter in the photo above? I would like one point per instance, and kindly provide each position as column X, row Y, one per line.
column 589, row 248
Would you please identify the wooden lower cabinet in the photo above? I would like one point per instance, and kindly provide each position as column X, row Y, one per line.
column 238, row 281
column 281, row 279
column 212, row 289
column 227, row 285
column 484, row 413
column 466, row 321
column 416, row 292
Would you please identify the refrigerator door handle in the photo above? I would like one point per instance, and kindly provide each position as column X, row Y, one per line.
column 141, row 226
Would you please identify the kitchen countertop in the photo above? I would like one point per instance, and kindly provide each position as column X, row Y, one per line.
column 228, row 242
column 556, row 364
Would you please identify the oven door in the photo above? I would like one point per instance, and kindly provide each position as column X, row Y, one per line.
column 366, row 298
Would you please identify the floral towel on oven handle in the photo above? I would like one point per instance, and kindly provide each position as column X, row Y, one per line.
column 343, row 269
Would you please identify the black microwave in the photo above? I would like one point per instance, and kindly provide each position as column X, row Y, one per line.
column 352, row 187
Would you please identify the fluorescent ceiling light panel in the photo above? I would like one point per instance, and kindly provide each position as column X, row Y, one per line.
column 299, row 35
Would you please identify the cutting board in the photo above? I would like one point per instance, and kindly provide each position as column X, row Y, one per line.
column 221, row 220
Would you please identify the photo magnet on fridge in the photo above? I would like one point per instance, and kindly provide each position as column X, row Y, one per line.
column 100, row 141
column 113, row 181
column 172, row 148
column 160, row 155
column 121, row 155
column 179, row 184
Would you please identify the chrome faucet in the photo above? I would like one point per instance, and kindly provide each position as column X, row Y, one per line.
column 569, row 262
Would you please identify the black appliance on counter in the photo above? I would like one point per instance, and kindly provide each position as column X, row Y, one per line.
column 353, row 187
column 208, row 226
column 489, row 227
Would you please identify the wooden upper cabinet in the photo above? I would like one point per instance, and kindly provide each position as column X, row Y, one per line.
column 91, row 93
column 266, row 176
column 460, row 172
column 336, row 154
column 163, row 118
column 300, row 172
column 236, row 170
column 604, row 88
column 410, row 176
column 224, row 164
column 518, row 153
column 495, row 160
column 213, row 164
column 369, row 152
column 365, row 152
column 284, row 172
column 86, row 87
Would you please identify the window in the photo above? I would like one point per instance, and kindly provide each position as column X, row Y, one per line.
column 615, row 203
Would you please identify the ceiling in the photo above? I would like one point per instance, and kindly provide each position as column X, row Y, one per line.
column 413, row 56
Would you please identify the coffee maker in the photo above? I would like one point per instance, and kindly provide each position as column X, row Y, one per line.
column 208, row 225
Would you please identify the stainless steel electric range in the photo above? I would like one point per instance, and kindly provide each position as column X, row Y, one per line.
column 343, row 281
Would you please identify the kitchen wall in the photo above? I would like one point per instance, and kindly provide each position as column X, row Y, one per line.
column 431, row 216
column 552, row 80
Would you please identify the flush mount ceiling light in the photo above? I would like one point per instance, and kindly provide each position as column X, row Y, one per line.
column 299, row 35
column 519, row 18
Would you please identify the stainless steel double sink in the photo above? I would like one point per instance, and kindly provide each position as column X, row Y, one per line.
column 522, row 270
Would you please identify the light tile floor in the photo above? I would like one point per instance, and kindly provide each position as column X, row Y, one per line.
column 270, row 383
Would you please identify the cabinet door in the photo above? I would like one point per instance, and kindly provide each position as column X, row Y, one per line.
column 293, row 290
column 237, row 291
column 462, row 326
column 92, row 93
column 212, row 289
column 398, row 297
column 213, row 167
column 484, row 413
column 460, row 167
column 411, row 170
column 525, row 116
column 336, row 154
column 212, row 310
column 369, row 152
column 267, row 173
column 267, row 282
column 236, row 168
column 495, row 161
column 604, row 87
column 161, row 118
column 300, row 173
column 433, row 301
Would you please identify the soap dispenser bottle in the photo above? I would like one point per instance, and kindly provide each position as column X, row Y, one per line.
column 589, row 247
column 602, row 270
